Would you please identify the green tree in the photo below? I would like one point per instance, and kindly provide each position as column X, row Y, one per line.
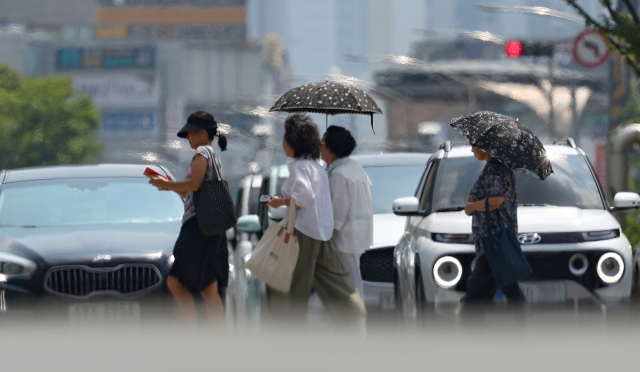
column 44, row 122
column 621, row 27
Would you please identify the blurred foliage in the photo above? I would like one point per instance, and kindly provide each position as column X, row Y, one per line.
column 621, row 27
column 272, row 56
column 43, row 122
column 631, row 114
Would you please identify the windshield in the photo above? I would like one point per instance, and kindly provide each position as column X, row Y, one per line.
column 87, row 201
column 390, row 183
column 570, row 185
column 254, row 200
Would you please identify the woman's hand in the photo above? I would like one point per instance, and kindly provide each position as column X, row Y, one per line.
column 469, row 208
column 160, row 182
column 277, row 202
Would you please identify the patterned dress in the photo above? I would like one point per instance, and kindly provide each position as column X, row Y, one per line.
column 498, row 180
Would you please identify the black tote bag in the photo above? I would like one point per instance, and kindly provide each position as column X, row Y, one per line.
column 215, row 211
column 504, row 253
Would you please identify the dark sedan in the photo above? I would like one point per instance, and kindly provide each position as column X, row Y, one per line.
column 97, row 239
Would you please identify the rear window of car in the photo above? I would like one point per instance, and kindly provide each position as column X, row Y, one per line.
column 87, row 201
column 390, row 183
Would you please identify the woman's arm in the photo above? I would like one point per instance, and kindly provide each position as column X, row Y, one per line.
column 198, row 170
column 479, row 206
column 277, row 202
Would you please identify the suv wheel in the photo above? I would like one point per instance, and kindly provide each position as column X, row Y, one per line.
column 421, row 298
column 396, row 290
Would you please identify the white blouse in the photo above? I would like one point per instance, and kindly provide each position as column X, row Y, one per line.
column 308, row 185
column 352, row 206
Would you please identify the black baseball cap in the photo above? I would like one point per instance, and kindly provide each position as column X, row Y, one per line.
column 196, row 123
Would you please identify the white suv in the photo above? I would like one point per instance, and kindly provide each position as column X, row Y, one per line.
column 572, row 241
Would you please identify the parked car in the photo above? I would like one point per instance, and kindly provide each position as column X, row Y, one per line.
column 392, row 175
column 244, row 297
column 96, row 239
column 572, row 241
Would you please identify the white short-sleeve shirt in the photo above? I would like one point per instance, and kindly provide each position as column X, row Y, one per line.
column 308, row 185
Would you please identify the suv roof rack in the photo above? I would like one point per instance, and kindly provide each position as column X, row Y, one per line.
column 446, row 146
column 567, row 142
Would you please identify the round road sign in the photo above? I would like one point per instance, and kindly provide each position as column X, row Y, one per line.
column 590, row 49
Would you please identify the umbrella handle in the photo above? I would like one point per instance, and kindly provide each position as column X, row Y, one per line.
column 374, row 131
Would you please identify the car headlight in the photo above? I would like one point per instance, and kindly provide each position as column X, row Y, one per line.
column 13, row 266
column 591, row 236
column 453, row 238
column 610, row 268
column 447, row 272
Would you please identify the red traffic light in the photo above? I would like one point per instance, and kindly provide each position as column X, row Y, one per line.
column 513, row 49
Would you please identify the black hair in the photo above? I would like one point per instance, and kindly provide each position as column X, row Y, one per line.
column 339, row 141
column 301, row 133
column 211, row 132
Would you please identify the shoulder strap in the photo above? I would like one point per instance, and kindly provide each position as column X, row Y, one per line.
column 488, row 212
column 214, row 162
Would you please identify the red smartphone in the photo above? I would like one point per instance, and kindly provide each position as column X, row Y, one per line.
column 151, row 172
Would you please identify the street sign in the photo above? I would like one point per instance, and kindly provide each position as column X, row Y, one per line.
column 590, row 49
column 107, row 58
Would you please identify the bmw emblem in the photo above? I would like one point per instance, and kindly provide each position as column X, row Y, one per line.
column 102, row 258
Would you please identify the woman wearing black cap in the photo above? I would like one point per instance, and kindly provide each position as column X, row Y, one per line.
column 201, row 262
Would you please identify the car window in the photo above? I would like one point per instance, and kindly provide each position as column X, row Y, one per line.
column 392, row 182
column 263, row 211
column 254, row 200
column 87, row 201
column 278, row 190
column 571, row 185
column 425, row 201
column 239, row 202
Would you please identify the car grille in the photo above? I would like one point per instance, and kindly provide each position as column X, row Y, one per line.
column 376, row 265
column 83, row 281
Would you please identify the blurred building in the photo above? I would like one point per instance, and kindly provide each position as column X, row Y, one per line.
column 146, row 64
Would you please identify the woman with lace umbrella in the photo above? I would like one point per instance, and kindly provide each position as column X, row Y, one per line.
column 507, row 140
column 505, row 145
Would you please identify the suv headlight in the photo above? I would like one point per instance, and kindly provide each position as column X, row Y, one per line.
column 610, row 268
column 591, row 236
column 453, row 238
column 447, row 272
column 12, row 266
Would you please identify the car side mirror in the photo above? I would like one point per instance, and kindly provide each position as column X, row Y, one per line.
column 278, row 214
column 406, row 206
column 626, row 200
column 249, row 224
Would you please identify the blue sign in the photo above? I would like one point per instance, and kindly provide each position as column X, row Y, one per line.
column 129, row 121
column 106, row 58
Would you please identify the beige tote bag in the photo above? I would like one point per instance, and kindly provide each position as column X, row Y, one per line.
column 276, row 254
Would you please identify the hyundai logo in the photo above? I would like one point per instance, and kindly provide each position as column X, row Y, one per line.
column 102, row 258
column 530, row 238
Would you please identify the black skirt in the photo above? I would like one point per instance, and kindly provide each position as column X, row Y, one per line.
column 200, row 260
